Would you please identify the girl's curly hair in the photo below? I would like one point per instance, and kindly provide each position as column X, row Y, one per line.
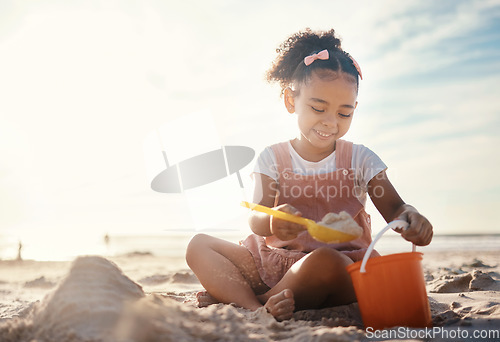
column 289, row 68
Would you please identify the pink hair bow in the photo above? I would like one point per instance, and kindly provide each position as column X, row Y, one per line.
column 320, row 55
column 356, row 65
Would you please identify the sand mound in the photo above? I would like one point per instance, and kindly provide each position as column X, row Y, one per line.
column 40, row 282
column 86, row 305
column 175, row 278
column 477, row 263
column 155, row 279
column 475, row 280
column 464, row 309
column 184, row 277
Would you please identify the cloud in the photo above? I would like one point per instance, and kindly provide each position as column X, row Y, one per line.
column 425, row 38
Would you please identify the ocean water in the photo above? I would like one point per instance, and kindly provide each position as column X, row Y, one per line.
column 173, row 244
column 176, row 245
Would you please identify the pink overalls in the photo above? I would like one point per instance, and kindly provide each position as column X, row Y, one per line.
column 314, row 196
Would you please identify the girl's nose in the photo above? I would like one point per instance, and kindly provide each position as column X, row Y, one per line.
column 330, row 120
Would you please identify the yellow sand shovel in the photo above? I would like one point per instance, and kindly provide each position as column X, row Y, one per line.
column 317, row 231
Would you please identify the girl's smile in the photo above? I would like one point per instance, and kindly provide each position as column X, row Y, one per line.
column 323, row 135
column 324, row 106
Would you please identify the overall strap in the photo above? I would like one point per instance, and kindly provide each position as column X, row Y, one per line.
column 282, row 155
column 343, row 154
column 283, row 163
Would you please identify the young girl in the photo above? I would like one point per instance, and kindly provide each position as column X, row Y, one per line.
column 280, row 266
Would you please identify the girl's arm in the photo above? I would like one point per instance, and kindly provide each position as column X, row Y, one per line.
column 391, row 206
column 264, row 225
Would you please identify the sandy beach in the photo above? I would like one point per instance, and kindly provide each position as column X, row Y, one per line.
column 142, row 297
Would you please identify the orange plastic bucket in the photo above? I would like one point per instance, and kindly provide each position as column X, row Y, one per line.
column 391, row 290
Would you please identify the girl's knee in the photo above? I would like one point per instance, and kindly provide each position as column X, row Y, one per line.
column 195, row 246
column 329, row 256
column 197, row 240
column 329, row 264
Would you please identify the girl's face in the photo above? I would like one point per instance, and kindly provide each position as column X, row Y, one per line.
column 324, row 107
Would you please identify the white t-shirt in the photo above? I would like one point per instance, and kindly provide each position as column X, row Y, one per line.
column 365, row 163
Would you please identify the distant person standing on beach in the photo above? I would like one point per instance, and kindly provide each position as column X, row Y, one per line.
column 19, row 250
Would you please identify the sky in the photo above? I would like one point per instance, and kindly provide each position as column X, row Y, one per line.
column 86, row 85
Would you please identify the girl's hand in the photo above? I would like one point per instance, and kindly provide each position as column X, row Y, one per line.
column 420, row 230
column 285, row 230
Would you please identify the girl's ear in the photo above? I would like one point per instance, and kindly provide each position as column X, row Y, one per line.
column 289, row 100
column 355, row 106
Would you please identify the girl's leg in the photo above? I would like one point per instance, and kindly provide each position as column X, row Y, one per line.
column 228, row 272
column 318, row 280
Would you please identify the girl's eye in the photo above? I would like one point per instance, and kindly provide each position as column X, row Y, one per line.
column 345, row 115
column 317, row 110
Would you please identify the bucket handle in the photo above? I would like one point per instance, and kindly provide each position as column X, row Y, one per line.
column 393, row 224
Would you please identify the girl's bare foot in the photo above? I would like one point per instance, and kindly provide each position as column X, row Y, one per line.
column 204, row 299
column 281, row 305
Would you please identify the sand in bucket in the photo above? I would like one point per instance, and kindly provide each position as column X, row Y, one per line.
column 391, row 289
